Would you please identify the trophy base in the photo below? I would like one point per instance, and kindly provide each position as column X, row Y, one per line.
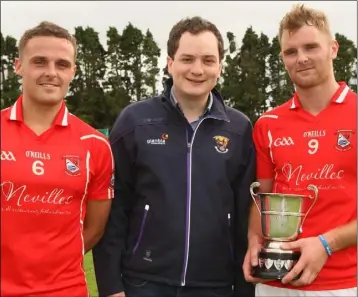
column 275, row 264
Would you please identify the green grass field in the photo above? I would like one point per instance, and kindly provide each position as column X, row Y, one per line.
column 91, row 279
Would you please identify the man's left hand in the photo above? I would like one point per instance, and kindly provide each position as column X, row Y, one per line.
column 313, row 257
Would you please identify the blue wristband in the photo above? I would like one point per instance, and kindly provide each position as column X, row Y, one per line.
column 325, row 245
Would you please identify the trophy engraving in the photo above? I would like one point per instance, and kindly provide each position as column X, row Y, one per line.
column 282, row 219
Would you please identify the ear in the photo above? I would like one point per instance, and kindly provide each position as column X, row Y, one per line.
column 220, row 69
column 281, row 58
column 170, row 65
column 74, row 71
column 280, row 55
column 334, row 49
column 18, row 66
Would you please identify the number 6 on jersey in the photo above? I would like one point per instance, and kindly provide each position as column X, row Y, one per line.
column 313, row 145
column 37, row 168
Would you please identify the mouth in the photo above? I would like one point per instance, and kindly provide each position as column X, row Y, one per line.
column 49, row 86
column 303, row 70
column 196, row 81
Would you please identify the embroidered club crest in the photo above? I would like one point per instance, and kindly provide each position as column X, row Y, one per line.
column 344, row 140
column 72, row 164
column 221, row 144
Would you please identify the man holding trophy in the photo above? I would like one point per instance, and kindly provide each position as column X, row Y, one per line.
column 303, row 224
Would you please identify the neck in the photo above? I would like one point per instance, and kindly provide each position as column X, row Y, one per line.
column 38, row 117
column 317, row 98
column 192, row 107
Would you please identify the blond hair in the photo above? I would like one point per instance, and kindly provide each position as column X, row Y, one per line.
column 46, row 29
column 301, row 15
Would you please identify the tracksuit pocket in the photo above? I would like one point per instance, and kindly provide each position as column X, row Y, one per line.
column 142, row 225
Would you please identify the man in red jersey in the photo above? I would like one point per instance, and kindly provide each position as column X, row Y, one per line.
column 55, row 175
column 311, row 139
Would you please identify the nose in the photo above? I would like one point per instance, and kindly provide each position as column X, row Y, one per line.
column 51, row 70
column 302, row 57
column 197, row 68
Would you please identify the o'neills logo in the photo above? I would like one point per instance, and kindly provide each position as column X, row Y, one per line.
column 54, row 197
column 298, row 174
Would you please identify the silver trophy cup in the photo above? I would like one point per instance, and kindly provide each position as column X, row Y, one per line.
column 282, row 218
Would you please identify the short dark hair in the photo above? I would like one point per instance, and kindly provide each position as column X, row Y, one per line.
column 46, row 29
column 194, row 25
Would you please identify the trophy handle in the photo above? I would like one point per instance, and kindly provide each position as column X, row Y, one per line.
column 253, row 195
column 315, row 191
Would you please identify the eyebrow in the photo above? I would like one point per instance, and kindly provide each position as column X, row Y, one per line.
column 312, row 44
column 305, row 45
column 44, row 58
column 192, row 56
column 289, row 50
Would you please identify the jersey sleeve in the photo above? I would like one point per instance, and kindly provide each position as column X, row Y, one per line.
column 102, row 170
column 265, row 168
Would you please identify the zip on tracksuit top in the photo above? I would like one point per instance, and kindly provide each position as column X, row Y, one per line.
column 181, row 205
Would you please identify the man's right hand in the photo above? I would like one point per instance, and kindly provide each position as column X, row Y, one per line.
column 121, row 294
column 251, row 260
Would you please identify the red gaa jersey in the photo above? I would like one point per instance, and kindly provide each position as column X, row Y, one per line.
column 46, row 181
column 295, row 149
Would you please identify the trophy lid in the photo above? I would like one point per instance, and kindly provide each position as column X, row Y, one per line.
column 282, row 195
